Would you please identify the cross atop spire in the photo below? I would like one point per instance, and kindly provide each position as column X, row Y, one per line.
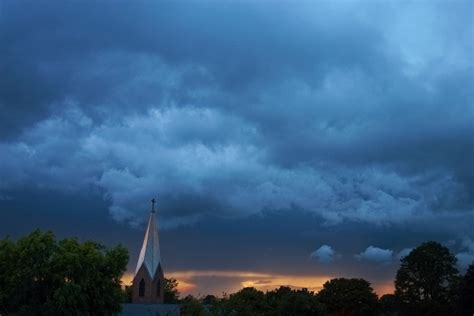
column 150, row 252
column 153, row 205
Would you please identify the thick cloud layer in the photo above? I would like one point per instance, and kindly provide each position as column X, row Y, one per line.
column 354, row 112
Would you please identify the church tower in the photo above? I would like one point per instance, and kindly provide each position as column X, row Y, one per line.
column 148, row 282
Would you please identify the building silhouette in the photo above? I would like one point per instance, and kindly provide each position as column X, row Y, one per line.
column 148, row 282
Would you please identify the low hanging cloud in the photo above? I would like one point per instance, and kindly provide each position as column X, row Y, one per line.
column 179, row 155
column 324, row 254
column 376, row 254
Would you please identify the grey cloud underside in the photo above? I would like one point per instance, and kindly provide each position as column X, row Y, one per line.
column 235, row 108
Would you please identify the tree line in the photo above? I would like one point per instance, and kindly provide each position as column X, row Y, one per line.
column 40, row 275
column 427, row 283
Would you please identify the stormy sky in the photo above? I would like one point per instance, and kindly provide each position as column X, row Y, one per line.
column 285, row 142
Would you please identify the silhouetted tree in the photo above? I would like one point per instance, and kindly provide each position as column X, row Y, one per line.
column 426, row 280
column 41, row 276
column 389, row 305
column 217, row 306
column 191, row 306
column 128, row 294
column 349, row 297
column 171, row 295
column 287, row 302
column 466, row 293
column 209, row 300
column 246, row 302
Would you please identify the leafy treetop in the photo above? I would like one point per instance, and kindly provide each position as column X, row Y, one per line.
column 43, row 276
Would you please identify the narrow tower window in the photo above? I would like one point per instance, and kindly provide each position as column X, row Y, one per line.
column 158, row 288
column 141, row 288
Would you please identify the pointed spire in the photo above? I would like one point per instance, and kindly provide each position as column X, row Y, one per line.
column 150, row 252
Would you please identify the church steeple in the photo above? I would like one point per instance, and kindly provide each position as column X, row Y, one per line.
column 150, row 252
column 148, row 283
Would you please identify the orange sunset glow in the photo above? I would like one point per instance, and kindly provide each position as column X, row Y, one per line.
column 217, row 282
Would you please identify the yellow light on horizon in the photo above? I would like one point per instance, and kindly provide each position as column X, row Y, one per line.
column 188, row 283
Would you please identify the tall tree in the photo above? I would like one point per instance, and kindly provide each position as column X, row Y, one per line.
column 426, row 280
column 42, row 276
column 349, row 297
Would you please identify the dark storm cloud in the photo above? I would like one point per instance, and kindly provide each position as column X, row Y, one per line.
column 88, row 50
column 348, row 111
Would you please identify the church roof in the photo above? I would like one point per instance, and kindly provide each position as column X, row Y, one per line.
column 150, row 252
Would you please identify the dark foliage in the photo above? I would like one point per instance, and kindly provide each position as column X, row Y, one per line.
column 42, row 276
column 466, row 293
column 352, row 297
column 285, row 301
column 248, row 301
column 389, row 304
column 191, row 306
column 210, row 300
column 427, row 280
column 171, row 295
column 128, row 294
